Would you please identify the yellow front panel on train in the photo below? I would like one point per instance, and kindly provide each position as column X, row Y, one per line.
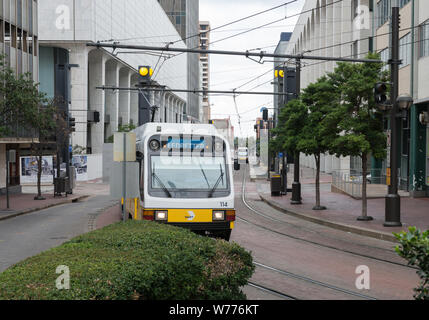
column 190, row 215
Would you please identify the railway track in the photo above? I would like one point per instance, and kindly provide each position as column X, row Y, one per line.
column 243, row 198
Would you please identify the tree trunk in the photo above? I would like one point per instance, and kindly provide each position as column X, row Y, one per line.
column 39, row 173
column 364, row 216
column 364, row 199
column 317, row 180
column 39, row 176
column 318, row 206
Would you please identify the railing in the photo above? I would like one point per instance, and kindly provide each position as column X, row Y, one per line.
column 350, row 182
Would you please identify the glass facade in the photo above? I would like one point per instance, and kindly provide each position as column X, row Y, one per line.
column 384, row 10
column 424, row 39
column 16, row 34
column 405, row 50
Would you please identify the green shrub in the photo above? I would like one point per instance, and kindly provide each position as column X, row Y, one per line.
column 134, row 260
column 414, row 247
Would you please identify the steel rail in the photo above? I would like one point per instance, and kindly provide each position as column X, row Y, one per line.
column 271, row 291
column 305, row 240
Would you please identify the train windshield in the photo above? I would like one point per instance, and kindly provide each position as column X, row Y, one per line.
column 177, row 174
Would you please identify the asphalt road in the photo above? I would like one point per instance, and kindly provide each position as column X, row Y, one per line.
column 30, row 234
column 295, row 258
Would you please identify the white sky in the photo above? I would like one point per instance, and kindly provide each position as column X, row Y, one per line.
column 229, row 72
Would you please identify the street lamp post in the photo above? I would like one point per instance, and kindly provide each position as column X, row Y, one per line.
column 393, row 200
column 296, row 185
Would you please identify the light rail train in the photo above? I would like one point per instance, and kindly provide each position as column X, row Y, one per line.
column 186, row 178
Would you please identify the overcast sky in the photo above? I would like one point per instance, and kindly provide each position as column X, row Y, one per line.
column 228, row 72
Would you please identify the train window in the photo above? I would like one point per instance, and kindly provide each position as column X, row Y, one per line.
column 142, row 179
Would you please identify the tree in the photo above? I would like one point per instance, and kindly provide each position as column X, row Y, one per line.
column 22, row 106
column 45, row 123
column 321, row 127
column 361, row 124
column 18, row 97
column 292, row 119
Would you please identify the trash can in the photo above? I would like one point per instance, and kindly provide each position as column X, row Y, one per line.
column 276, row 185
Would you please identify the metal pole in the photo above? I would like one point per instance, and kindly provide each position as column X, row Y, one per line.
column 124, row 177
column 260, row 55
column 163, row 89
column 296, row 186
column 7, row 180
column 393, row 200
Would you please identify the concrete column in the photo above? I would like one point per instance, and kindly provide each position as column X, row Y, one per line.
column 2, row 165
column 97, row 77
column 124, row 96
column 319, row 35
column 112, row 97
column 346, row 27
column 134, row 101
column 322, row 162
column 78, row 54
column 328, row 163
column 329, row 37
column 322, row 66
column 336, row 29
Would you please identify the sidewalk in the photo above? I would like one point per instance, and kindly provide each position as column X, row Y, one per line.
column 343, row 209
column 24, row 203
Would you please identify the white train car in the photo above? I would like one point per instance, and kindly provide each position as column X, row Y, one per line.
column 186, row 178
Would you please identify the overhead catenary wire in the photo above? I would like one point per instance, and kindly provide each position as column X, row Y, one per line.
column 236, row 21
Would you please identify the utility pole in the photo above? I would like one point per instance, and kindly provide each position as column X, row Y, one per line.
column 145, row 78
column 296, row 186
column 393, row 200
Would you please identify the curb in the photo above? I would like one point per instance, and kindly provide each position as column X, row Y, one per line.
column 26, row 211
column 335, row 225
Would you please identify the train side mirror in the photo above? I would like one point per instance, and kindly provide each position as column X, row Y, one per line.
column 236, row 165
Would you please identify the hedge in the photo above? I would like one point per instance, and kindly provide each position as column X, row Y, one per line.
column 414, row 247
column 138, row 260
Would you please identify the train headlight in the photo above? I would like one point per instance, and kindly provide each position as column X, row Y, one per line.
column 161, row 215
column 154, row 145
column 218, row 215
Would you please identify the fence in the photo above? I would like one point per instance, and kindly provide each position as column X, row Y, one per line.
column 350, row 182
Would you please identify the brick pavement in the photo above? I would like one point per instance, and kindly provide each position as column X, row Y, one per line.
column 343, row 210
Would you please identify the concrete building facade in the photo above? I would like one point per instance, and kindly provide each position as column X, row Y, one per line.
column 184, row 15
column 280, row 63
column 19, row 44
column 352, row 28
column 205, row 60
column 68, row 25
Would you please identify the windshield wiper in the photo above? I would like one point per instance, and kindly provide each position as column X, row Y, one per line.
column 161, row 184
column 205, row 177
column 217, row 182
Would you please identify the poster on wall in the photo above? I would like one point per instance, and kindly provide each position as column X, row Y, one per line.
column 29, row 170
column 81, row 165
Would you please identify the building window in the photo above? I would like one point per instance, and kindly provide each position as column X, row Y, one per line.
column 13, row 36
column 384, row 56
column 424, row 39
column 384, row 10
column 405, row 50
column 355, row 49
column 355, row 4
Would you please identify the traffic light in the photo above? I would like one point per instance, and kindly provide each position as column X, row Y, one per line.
column 145, row 75
column 72, row 124
column 265, row 114
column 380, row 93
column 279, row 72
